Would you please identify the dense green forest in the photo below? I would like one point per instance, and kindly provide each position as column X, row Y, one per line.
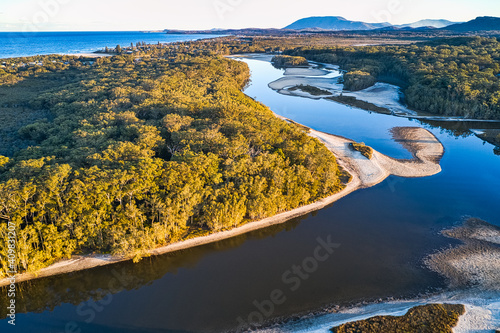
column 283, row 61
column 453, row 77
column 358, row 80
column 158, row 144
column 136, row 151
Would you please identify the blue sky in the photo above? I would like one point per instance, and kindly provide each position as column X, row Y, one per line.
column 100, row 15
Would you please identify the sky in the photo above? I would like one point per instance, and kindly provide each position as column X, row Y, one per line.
column 133, row 15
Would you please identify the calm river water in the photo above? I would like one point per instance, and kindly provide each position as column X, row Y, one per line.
column 383, row 234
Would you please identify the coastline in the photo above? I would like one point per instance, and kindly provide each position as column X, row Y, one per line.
column 365, row 173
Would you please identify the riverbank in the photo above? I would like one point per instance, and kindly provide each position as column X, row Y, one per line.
column 423, row 318
column 365, row 173
column 382, row 97
column 482, row 313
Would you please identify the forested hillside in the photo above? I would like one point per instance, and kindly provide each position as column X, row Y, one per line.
column 453, row 77
column 137, row 151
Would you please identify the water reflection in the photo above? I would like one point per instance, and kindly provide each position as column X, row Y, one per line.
column 384, row 232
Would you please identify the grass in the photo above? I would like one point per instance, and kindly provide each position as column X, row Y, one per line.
column 345, row 176
column 362, row 148
column 311, row 90
column 430, row 318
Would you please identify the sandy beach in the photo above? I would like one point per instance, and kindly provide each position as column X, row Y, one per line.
column 90, row 55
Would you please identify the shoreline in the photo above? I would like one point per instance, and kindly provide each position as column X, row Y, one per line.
column 482, row 313
column 383, row 98
column 364, row 172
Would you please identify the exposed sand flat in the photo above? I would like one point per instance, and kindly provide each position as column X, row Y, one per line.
column 476, row 262
column 257, row 56
column 382, row 95
column 425, row 147
column 305, row 71
column 365, row 173
column 330, row 84
column 475, row 319
column 481, row 268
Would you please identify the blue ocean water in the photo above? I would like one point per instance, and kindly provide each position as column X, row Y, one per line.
column 21, row 44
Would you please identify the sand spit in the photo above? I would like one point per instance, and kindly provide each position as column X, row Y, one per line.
column 425, row 147
column 365, row 173
column 283, row 84
column 427, row 318
column 305, row 71
column 474, row 263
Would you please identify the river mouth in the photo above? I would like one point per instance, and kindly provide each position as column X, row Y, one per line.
column 383, row 232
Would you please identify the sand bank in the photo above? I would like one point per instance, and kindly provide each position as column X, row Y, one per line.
column 474, row 263
column 482, row 313
column 425, row 147
column 305, row 71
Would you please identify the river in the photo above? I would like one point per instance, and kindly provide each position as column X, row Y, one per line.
column 381, row 236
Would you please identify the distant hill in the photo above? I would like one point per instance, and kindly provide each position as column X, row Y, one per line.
column 482, row 23
column 333, row 23
column 399, row 28
column 428, row 23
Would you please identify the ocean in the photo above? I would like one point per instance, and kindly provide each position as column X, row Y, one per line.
column 22, row 44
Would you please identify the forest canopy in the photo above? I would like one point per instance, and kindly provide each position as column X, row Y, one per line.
column 131, row 152
column 284, row 61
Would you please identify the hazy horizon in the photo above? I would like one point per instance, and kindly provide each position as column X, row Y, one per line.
column 130, row 15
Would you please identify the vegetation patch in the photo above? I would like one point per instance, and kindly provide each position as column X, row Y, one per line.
column 315, row 91
column 362, row 148
column 283, row 61
column 358, row 80
column 430, row 318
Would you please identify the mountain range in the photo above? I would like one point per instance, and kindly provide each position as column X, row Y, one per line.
column 338, row 23
column 428, row 23
column 482, row 23
column 333, row 23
